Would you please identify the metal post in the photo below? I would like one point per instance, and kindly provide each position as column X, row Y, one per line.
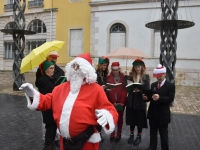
column 19, row 42
column 168, row 26
column 168, row 45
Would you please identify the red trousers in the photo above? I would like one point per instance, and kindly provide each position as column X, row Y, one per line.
column 120, row 121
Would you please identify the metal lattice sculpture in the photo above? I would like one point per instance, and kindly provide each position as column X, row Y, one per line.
column 18, row 33
column 168, row 27
column 19, row 42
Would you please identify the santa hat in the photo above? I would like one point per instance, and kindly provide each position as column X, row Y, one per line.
column 115, row 65
column 86, row 57
column 139, row 62
column 157, row 72
column 53, row 54
column 103, row 60
column 85, row 65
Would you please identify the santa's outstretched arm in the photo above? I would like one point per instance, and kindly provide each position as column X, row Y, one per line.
column 36, row 100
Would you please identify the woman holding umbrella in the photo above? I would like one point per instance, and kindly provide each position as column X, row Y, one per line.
column 102, row 72
column 135, row 105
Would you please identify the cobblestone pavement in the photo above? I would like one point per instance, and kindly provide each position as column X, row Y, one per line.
column 20, row 128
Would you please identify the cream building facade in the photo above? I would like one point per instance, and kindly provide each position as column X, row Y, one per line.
column 121, row 23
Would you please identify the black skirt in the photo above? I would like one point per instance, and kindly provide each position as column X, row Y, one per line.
column 136, row 118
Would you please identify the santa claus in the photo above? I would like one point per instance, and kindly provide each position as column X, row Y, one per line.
column 77, row 105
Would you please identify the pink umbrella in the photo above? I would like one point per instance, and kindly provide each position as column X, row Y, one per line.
column 127, row 53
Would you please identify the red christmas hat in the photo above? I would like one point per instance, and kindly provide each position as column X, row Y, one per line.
column 157, row 72
column 86, row 56
column 115, row 65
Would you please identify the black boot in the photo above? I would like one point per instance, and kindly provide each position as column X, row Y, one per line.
column 112, row 136
column 118, row 137
column 130, row 140
column 137, row 140
column 57, row 143
column 47, row 147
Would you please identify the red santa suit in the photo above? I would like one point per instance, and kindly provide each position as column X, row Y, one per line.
column 75, row 112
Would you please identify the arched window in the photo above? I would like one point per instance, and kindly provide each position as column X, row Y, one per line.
column 37, row 26
column 8, row 44
column 117, row 36
column 10, row 25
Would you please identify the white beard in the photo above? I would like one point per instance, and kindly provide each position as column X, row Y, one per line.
column 76, row 80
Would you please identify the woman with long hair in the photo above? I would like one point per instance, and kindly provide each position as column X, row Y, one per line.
column 135, row 105
column 102, row 72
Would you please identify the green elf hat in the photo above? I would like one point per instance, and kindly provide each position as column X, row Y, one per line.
column 139, row 62
column 47, row 64
column 103, row 60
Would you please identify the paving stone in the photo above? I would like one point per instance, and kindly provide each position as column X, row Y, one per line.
column 21, row 128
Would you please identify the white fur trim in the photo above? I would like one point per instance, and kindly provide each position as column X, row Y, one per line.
column 36, row 100
column 159, row 69
column 53, row 53
column 66, row 114
column 110, row 122
column 86, row 68
column 115, row 67
column 95, row 138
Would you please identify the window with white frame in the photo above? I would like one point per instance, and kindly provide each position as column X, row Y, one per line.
column 157, row 40
column 8, row 49
column 34, row 44
column 37, row 26
column 75, row 42
column 117, row 36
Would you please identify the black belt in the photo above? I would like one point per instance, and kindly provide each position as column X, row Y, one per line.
column 78, row 140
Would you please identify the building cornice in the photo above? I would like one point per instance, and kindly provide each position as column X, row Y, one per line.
column 115, row 2
column 31, row 12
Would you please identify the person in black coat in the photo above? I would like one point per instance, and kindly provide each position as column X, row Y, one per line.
column 45, row 85
column 102, row 72
column 53, row 55
column 135, row 105
column 159, row 114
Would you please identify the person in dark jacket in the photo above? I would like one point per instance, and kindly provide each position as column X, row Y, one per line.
column 45, row 85
column 159, row 108
column 117, row 96
column 102, row 72
column 135, row 105
column 53, row 55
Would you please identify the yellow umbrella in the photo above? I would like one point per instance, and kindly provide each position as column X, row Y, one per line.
column 39, row 54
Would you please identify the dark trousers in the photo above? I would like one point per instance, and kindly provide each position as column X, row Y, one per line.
column 98, row 127
column 163, row 130
column 50, row 133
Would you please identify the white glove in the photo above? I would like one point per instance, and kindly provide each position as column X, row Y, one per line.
column 28, row 89
column 102, row 120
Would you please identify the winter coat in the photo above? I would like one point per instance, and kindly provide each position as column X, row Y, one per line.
column 57, row 73
column 117, row 94
column 166, row 93
column 101, row 81
column 134, row 99
column 46, row 85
